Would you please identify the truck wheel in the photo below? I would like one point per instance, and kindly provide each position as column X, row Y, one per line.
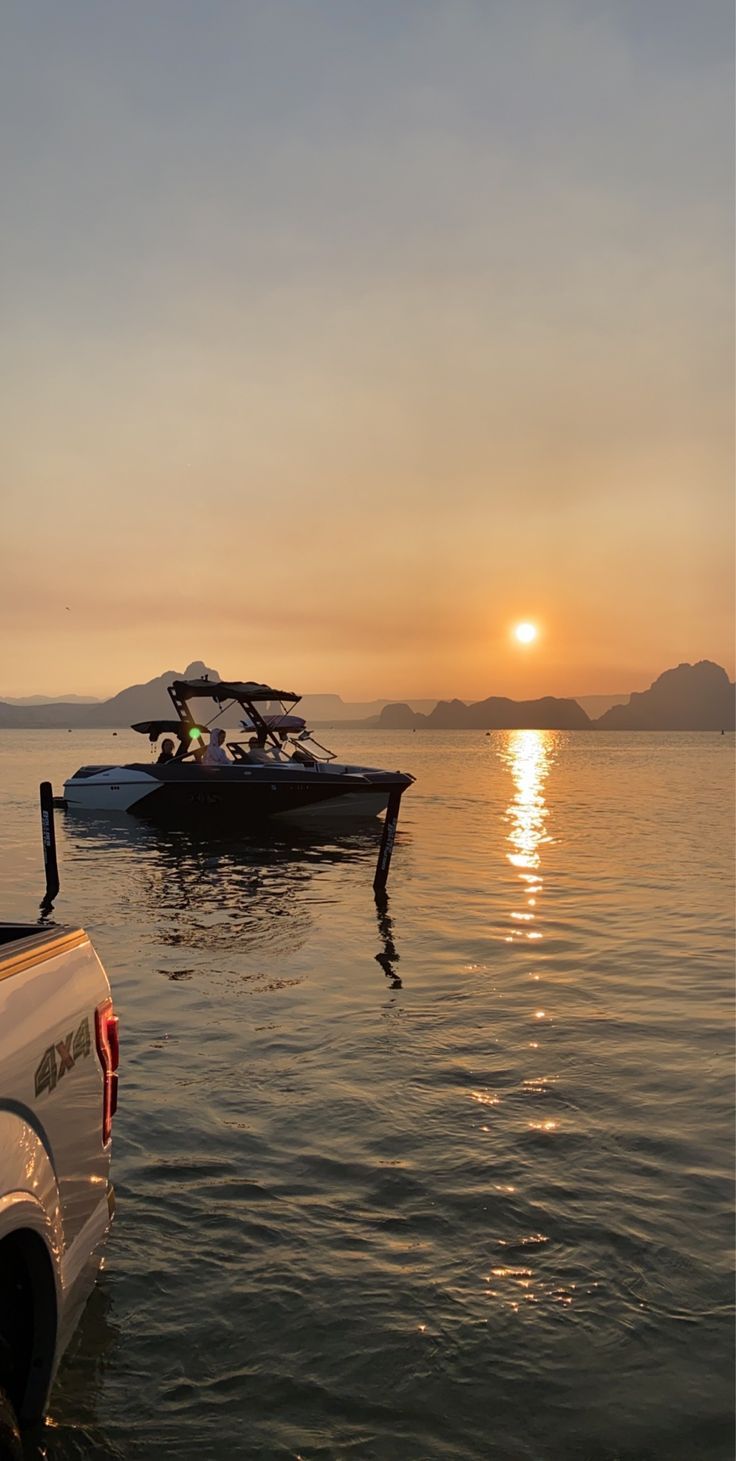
column 11, row 1448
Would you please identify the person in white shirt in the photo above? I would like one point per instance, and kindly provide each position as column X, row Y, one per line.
column 216, row 755
column 278, row 752
column 257, row 752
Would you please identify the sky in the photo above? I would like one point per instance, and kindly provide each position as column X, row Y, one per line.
column 339, row 336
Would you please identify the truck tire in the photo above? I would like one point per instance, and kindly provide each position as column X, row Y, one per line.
column 11, row 1448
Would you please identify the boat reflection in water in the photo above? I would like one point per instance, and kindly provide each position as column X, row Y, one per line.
column 529, row 755
column 388, row 955
column 233, row 894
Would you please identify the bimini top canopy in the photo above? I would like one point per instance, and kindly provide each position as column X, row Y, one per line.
column 278, row 722
column 155, row 728
column 219, row 690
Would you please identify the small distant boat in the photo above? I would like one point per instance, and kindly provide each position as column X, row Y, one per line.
column 287, row 775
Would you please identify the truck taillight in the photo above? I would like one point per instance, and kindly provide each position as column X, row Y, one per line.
column 108, row 1050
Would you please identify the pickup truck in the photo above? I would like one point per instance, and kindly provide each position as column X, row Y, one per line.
column 58, row 1093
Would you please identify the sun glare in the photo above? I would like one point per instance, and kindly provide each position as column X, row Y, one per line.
column 526, row 633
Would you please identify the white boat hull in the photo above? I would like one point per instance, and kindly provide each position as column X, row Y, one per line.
column 112, row 789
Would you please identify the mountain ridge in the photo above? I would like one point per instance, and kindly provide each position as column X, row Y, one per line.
column 496, row 712
column 686, row 697
column 49, row 699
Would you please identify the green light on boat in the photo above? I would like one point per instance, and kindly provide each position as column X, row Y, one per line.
column 195, row 734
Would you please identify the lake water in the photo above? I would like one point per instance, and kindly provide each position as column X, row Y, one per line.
column 453, row 1182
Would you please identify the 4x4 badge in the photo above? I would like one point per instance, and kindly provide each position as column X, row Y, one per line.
column 62, row 1056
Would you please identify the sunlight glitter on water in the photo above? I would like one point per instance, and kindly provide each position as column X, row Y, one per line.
column 529, row 755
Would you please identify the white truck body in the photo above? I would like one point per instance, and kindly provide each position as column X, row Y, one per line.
column 58, row 1091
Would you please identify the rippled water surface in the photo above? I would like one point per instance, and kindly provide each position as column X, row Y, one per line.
column 451, row 1181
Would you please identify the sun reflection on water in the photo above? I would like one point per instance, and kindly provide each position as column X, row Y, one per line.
column 529, row 755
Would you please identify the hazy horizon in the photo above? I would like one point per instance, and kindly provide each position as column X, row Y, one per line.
column 344, row 338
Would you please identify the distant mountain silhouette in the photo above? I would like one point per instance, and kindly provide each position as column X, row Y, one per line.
column 145, row 702
column 690, row 697
column 150, row 702
column 595, row 705
column 495, row 713
column 333, row 710
column 500, row 713
column 139, row 702
column 49, row 699
column 399, row 717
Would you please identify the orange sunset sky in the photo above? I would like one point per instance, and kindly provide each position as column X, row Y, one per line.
column 339, row 338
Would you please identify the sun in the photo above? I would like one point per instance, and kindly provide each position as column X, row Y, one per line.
column 526, row 633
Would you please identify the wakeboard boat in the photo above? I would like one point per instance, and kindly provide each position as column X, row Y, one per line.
column 275, row 768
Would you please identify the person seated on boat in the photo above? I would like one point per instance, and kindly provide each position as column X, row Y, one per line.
column 277, row 749
column 216, row 755
column 302, row 757
column 166, row 753
column 257, row 752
